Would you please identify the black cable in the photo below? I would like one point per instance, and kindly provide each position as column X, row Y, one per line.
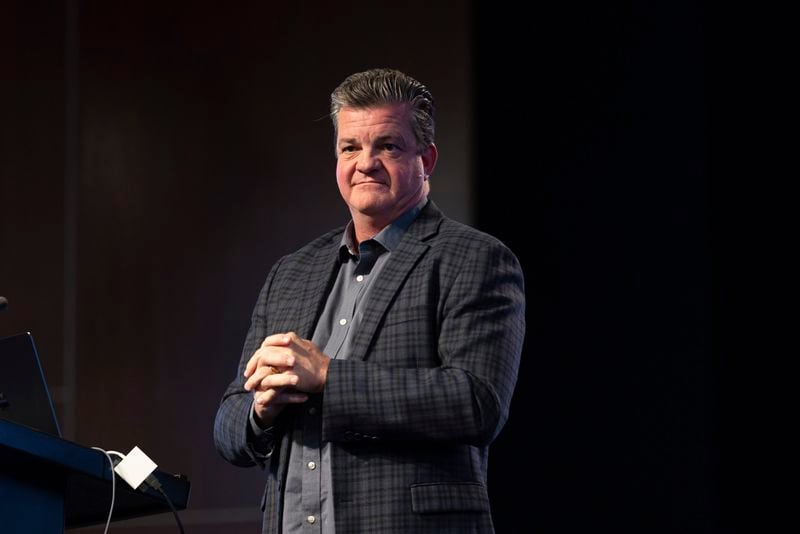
column 174, row 511
column 153, row 482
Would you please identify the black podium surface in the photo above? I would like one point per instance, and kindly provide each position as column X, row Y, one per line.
column 51, row 484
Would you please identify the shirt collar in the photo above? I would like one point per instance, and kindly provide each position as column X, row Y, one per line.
column 389, row 237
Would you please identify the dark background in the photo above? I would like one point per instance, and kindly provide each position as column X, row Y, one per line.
column 156, row 158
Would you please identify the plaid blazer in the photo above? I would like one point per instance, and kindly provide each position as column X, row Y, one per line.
column 412, row 411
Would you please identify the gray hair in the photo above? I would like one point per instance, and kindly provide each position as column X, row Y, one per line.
column 377, row 87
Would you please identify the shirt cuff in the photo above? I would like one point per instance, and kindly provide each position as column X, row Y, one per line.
column 260, row 441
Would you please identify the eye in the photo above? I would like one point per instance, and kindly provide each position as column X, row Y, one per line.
column 347, row 149
column 390, row 147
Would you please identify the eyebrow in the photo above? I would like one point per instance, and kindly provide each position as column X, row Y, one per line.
column 397, row 139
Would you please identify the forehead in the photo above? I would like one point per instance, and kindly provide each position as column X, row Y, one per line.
column 388, row 119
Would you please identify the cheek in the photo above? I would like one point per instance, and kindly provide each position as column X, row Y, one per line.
column 342, row 176
column 406, row 175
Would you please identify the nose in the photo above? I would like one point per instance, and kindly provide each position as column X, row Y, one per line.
column 367, row 162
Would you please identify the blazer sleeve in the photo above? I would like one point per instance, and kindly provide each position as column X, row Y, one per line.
column 464, row 399
column 233, row 436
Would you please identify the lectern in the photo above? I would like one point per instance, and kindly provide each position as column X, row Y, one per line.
column 49, row 484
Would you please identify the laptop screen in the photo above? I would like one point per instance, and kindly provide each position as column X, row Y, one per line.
column 24, row 397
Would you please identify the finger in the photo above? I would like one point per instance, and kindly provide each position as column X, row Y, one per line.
column 258, row 375
column 259, row 358
column 255, row 379
column 278, row 396
column 266, row 377
column 252, row 364
column 276, row 340
column 273, row 398
column 295, row 341
column 277, row 357
column 280, row 380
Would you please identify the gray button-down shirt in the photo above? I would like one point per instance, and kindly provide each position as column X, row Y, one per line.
column 308, row 493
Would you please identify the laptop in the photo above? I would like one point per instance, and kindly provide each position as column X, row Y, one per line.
column 24, row 397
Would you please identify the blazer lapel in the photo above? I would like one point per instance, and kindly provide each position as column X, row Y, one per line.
column 321, row 273
column 401, row 262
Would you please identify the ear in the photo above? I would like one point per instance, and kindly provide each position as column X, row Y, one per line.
column 429, row 157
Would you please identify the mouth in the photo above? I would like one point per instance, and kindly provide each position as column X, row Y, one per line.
column 369, row 183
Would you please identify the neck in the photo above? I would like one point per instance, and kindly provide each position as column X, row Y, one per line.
column 367, row 227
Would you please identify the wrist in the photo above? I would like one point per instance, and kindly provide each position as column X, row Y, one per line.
column 323, row 375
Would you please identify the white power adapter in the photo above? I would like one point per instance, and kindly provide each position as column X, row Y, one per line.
column 135, row 467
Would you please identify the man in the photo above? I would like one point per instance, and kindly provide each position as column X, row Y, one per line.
column 381, row 357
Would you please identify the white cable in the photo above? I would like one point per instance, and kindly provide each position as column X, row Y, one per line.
column 154, row 484
column 113, row 483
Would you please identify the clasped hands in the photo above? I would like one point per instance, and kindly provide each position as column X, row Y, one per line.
column 284, row 370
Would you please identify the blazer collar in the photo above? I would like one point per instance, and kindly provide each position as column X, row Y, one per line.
column 324, row 266
column 427, row 223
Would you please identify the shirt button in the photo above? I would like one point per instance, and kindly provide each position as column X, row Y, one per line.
column 311, row 519
column 342, row 322
column 312, row 411
column 360, row 278
column 312, row 465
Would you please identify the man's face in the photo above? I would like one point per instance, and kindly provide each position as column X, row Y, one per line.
column 379, row 169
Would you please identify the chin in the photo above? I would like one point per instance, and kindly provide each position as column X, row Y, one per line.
column 370, row 206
